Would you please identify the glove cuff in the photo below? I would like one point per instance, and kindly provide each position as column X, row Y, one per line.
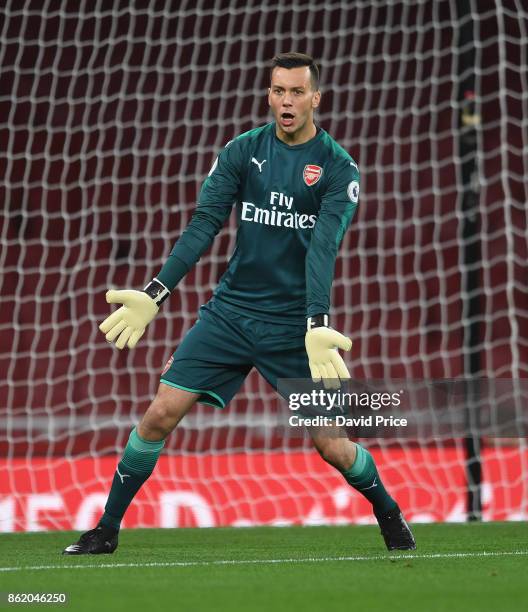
column 157, row 291
column 320, row 320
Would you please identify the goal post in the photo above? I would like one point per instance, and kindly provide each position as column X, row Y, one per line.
column 111, row 115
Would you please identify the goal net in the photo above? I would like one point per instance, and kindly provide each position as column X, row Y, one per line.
column 111, row 116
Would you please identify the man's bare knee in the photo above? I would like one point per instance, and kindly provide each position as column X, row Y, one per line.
column 166, row 410
column 338, row 452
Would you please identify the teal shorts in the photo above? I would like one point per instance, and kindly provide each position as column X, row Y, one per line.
column 223, row 346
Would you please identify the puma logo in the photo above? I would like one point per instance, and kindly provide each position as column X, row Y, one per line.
column 374, row 484
column 259, row 164
column 122, row 476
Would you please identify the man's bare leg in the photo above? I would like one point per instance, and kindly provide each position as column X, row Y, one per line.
column 144, row 446
column 359, row 470
column 166, row 410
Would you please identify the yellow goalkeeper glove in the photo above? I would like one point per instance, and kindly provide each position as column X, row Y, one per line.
column 128, row 323
column 321, row 344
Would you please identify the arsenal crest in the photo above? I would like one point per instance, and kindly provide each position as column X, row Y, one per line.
column 311, row 174
column 168, row 365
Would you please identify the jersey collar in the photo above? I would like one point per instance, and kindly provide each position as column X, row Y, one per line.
column 304, row 145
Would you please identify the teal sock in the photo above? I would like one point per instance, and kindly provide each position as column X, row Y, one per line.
column 364, row 477
column 136, row 465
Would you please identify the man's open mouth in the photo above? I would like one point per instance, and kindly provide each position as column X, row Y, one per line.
column 287, row 118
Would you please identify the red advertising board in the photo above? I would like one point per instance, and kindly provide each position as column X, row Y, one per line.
column 210, row 490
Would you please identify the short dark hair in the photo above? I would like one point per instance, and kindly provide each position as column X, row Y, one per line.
column 296, row 60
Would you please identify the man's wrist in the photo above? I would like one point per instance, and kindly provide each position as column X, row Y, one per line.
column 157, row 291
column 319, row 320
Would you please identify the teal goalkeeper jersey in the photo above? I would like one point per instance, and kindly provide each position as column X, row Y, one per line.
column 293, row 206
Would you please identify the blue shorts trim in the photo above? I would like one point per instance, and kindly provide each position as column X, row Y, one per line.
column 220, row 402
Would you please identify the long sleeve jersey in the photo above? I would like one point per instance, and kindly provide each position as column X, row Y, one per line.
column 293, row 206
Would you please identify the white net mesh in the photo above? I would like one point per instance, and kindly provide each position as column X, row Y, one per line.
column 111, row 115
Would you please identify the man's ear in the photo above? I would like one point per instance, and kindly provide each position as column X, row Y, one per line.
column 316, row 100
column 269, row 95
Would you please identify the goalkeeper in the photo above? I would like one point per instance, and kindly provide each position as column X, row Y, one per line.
column 296, row 191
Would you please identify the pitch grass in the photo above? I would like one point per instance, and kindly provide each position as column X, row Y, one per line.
column 275, row 569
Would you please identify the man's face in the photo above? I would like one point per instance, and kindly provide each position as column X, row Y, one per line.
column 292, row 99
